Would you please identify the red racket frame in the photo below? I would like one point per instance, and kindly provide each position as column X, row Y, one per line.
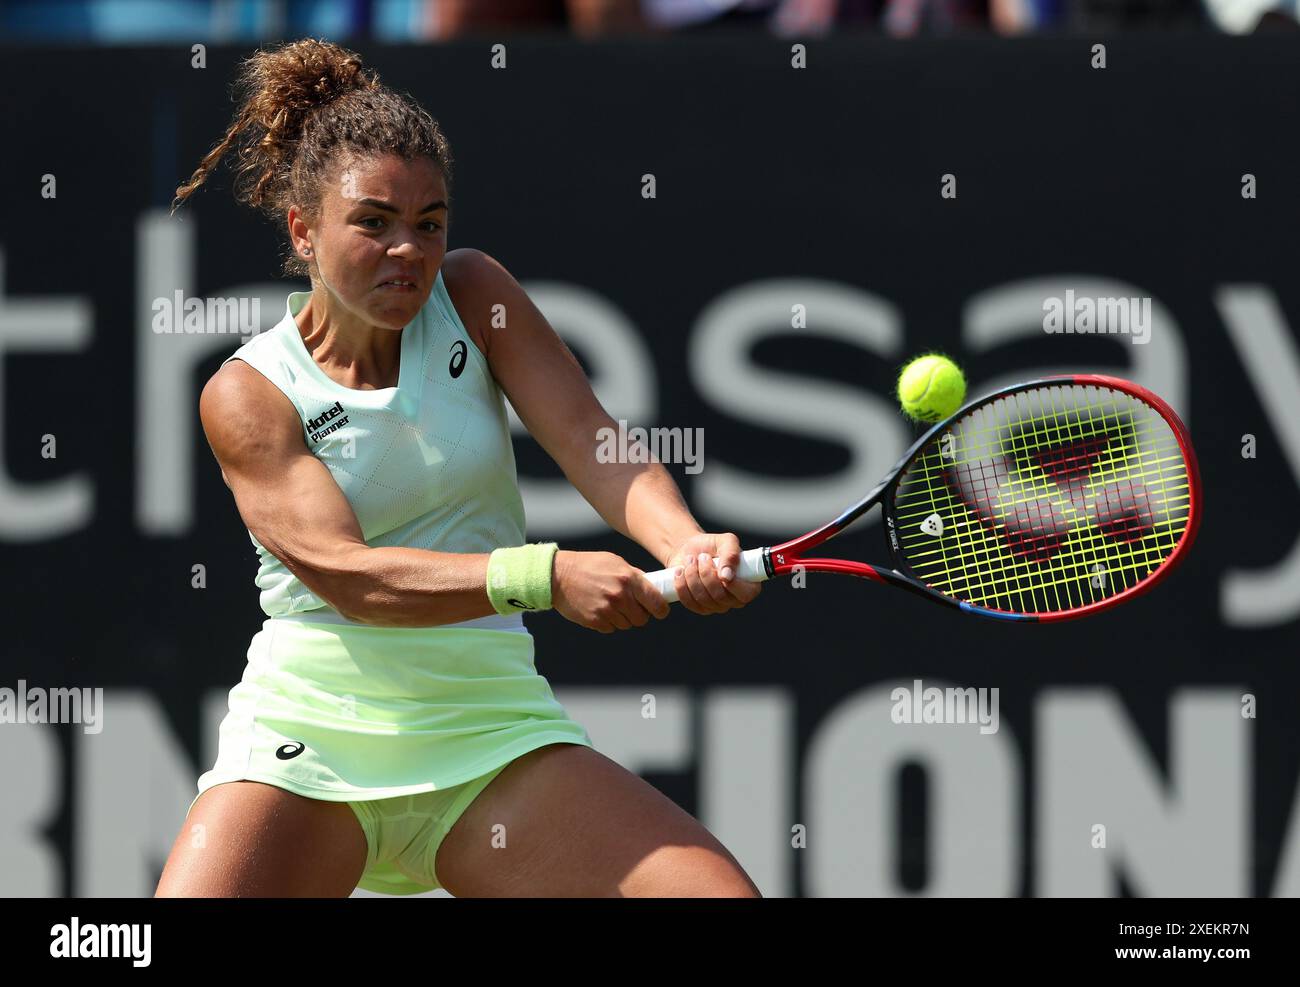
column 783, row 559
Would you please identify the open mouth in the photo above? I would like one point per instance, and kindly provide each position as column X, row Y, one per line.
column 399, row 285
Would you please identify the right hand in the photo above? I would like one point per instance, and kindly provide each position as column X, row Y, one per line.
column 601, row 591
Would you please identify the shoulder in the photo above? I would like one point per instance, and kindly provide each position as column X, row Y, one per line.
column 242, row 410
column 472, row 269
column 475, row 281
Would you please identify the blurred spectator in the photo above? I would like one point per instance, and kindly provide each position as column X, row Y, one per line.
column 239, row 21
column 904, row 18
column 802, row 18
column 1244, row 16
column 1117, row 15
column 1023, row 16
column 448, row 18
column 683, row 14
column 805, row 17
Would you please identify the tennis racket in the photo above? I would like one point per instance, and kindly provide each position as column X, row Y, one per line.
column 1047, row 500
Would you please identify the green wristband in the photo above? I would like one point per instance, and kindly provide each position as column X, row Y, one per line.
column 519, row 579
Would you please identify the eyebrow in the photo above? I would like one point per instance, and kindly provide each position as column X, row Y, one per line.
column 389, row 207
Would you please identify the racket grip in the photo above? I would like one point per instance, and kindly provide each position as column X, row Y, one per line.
column 751, row 569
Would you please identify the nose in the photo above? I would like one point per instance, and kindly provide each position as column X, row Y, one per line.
column 406, row 248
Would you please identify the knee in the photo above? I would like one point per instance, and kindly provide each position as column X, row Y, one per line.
column 732, row 882
column 693, row 873
column 734, row 889
column 720, row 882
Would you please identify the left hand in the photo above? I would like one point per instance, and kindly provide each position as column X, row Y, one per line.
column 701, row 586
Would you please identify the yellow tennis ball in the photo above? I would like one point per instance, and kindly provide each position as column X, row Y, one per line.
column 931, row 388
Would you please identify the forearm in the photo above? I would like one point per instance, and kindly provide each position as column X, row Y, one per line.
column 414, row 587
column 642, row 502
column 408, row 587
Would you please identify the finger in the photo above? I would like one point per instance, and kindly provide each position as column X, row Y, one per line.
column 743, row 591
column 650, row 598
column 683, row 588
column 718, row 594
column 618, row 619
column 700, row 596
column 728, row 557
column 694, row 597
column 629, row 607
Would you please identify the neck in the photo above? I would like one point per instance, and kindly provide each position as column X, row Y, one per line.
column 352, row 352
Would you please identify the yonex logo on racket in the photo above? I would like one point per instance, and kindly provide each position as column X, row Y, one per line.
column 1035, row 493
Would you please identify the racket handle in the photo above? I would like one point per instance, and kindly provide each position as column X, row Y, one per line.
column 751, row 568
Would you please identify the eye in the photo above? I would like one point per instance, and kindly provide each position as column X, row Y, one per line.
column 434, row 225
column 368, row 219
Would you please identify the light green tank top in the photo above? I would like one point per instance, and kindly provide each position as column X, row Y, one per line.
column 359, row 712
column 426, row 464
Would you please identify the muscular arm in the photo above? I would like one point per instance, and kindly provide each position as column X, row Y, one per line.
column 553, row 398
column 290, row 502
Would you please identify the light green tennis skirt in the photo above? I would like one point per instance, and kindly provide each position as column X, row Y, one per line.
column 354, row 713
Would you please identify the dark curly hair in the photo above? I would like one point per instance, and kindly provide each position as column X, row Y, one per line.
column 300, row 105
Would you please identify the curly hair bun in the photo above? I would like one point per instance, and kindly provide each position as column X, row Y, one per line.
column 300, row 105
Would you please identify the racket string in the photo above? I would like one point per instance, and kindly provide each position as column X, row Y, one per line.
column 1063, row 498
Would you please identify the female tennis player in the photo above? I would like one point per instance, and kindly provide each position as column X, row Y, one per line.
column 390, row 730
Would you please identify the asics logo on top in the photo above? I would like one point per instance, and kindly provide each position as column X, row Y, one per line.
column 458, row 354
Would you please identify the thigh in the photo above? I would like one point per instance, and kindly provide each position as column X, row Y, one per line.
column 247, row 839
column 566, row 821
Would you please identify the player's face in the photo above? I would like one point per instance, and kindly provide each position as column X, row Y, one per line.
column 376, row 227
